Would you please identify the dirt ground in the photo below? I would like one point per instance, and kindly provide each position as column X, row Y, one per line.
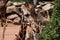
column 10, row 31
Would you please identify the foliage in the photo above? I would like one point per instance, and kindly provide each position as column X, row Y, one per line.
column 52, row 29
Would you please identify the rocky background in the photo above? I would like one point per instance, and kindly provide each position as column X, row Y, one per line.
column 11, row 10
column 23, row 14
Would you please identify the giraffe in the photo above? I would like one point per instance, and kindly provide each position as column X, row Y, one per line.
column 28, row 21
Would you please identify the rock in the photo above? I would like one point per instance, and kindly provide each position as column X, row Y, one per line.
column 11, row 9
column 9, row 3
column 47, row 7
column 9, row 21
column 41, row 3
column 17, row 3
column 17, row 20
column 12, row 16
column 38, row 6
